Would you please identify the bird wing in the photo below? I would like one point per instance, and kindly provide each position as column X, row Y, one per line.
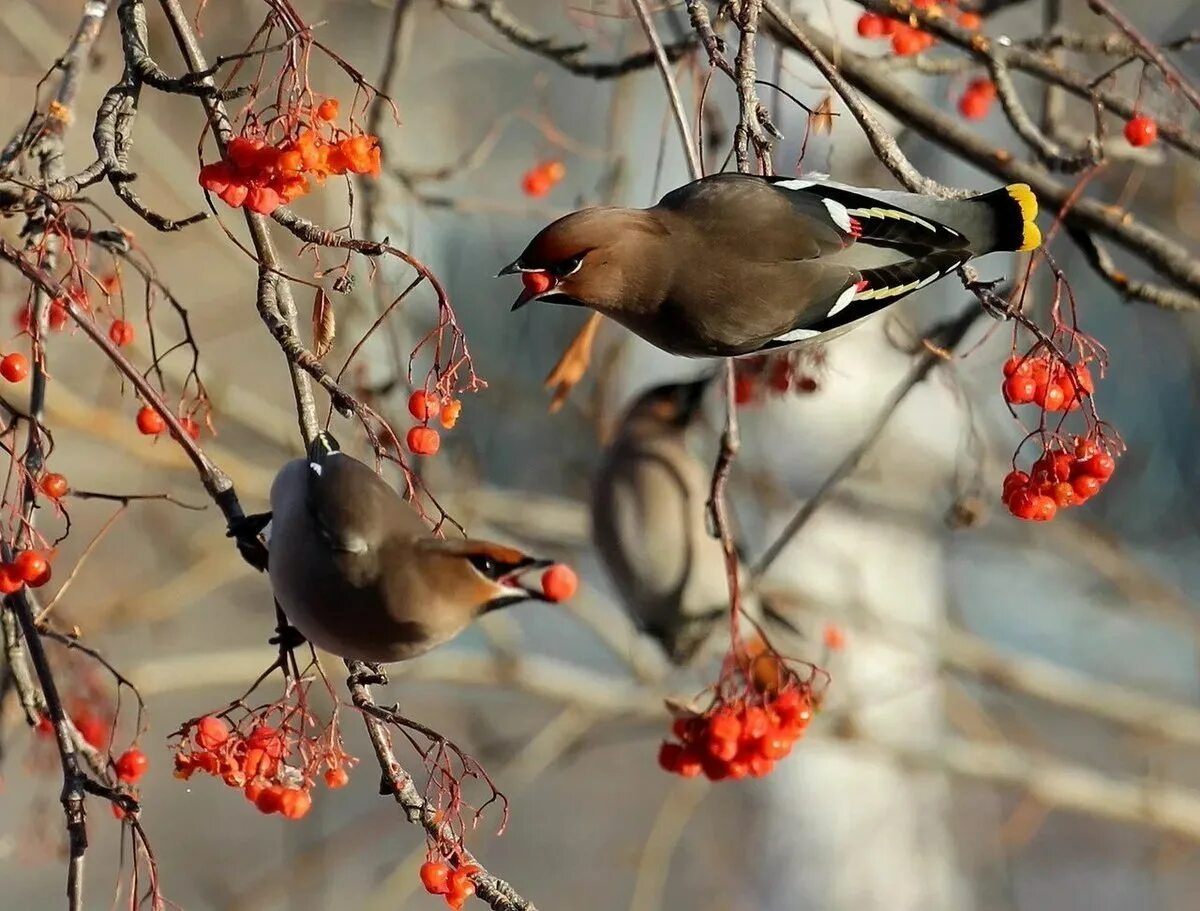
column 873, row 220
column 751, row 216
column 355, row 511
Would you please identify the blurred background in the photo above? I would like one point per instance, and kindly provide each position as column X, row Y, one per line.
column 1014, row 718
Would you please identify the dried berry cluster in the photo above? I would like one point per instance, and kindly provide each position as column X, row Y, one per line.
column 455, row 884
column 274, row 765
column 1059, row 479
column 744, row 736
column 262, row 174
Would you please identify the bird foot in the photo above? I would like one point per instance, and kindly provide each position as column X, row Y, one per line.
column 247, row 534
column 368, row 674
column 287, row 637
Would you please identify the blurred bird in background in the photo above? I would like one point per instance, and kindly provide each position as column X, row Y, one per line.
column 734, row 264
column 651, row 530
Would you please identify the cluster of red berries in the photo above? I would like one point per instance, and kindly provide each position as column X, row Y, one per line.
column 255, row 764
column 151, row 423
column 263, row 176
column 976, row 101
column 28, row 567
column 1042, row 379
column 736, row 738
column 1059, row 479
column 781, row 373
column 543, row 177
column 424, row 406
column 57, row 317
column 455, row 884
column 907, row 40
column 14, row 367
column 1141, row 130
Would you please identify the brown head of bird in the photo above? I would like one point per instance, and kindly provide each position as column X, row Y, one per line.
column 609, row 259
column 481, row 574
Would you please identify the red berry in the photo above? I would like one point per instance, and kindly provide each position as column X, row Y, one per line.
column 252, row 789
column 724, row 725
column 715, row 769
column 1018, row 364
column 262, row 200
column 423, row 406
column 871, row 25
column 1053, row 400
column 690, row 765
column 211, row 732
column 1063, row 494
column 132, row 765
column 55, row 486
column 270, row 800
column 1019, row 390
column 536, row 182
column 92, row 728
column 450, row 413
column 234, row 195
column 328, row 109
column 907, row 41
column 1044, row 508
column 536, row 282
column 1023, row 503
column 456, row 898
column 1085, row 449
column 435, row 877
column 14, row 367
column 336, row 778
column 30, row 565
column 559, row 583
column 977, row 99
column 58, row 314
column 121, row 333
column 755, row 723
column 774, row 746
column 190, row 427
column 294, row 803
column 10, row 579
column 760, row 766
column 1141, row 130
column 1101, row 466
column 1086, row 486
column 423, row 441
column 1014, row 481
column 970, row 21
column 1084, row 377
column 149, row 421
column 670, row 756
column 266, row 738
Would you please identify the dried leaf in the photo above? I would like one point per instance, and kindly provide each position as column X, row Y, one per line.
column 822, row 117
column 323, row 327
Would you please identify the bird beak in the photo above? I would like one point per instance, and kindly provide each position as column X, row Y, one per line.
column 532, row 590
column 511, row 269
column 522, row 299
column 693, row 396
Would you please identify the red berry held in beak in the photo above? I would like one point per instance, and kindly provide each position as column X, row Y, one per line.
column 536, row 282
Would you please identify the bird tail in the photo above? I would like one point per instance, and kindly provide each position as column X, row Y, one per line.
column 1011, row 220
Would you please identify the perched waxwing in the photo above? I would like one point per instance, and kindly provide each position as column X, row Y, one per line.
column 357, row 572
column 734, row 264
column 650, row 527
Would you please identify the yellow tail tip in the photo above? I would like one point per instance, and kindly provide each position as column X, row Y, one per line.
column 1031, row 236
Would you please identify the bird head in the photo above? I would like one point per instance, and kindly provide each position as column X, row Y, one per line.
column 671, row 404
column 480, row 574
column 599, row 258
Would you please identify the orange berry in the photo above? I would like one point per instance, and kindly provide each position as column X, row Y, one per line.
column 234, row 194
column 328, row 109
column 92, row 728
column 262, row 200
column 190, row 427
column 270, row 800
column 423, row 441
column 907, row 41
column 30, row 565
column 121, row 333
column 871, row 25
column 835, row 638
column 970, row 21
column 211, row 732
column 149, row 421
column 54, row 486
column 435, row 877
column 554, row 170
column 294, row 803
column 336, row 778
column 253, row 789
column 10, row 579
column 559, row 582
column 423, row 406
column 1141, row 131
column 14, row 367
column 450, row 413
column 536, row 183
column 132, row 765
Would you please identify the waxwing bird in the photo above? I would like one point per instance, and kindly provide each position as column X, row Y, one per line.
column 734, row 264
column 650, row 528
column 358, row 573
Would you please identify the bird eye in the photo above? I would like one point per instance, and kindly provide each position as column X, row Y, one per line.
column 567, row 266
column 487, row 565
